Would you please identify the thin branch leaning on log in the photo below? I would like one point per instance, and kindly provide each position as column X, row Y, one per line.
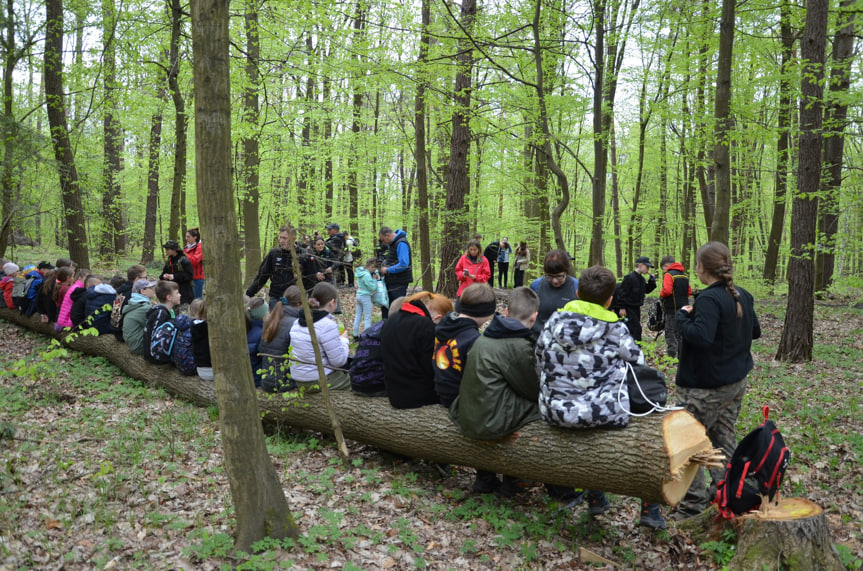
column 651, row 459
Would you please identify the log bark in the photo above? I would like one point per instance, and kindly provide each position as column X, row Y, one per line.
column 791, row 535
column 650, row 459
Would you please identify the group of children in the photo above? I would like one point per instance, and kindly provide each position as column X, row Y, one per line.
column 427, row 352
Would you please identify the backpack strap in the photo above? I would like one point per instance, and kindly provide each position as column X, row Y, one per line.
column 765, row 411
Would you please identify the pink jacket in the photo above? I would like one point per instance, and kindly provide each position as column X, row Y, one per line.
column 479, row 269
column 63, row 319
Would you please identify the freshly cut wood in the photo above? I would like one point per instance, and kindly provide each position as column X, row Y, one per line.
column 650, row 459
column 792, row 534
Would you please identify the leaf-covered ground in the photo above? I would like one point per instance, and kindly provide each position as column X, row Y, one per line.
column 99, row 472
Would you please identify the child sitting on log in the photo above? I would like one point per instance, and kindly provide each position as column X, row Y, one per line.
column 581, row 348
column 455, row 334
column 168, row 294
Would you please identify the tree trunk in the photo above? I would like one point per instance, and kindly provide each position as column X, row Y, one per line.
column 834, row 147
column 615, row 204
column 792, row 535
column 153, row 150
column 420, row 152
column 783, row 153
column 56, row 107
column 651, row 459
column 177, row 215
column 113, row 231
column 9, row 128
column 722, row 112
column 455, row 230
column 259, row 501
column 597, row 227
column 796, row 342
column 251, row 152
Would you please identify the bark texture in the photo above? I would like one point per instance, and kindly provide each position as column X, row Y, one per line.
column 649, row 459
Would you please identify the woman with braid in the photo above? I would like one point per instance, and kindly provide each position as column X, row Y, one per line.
column 716, row 334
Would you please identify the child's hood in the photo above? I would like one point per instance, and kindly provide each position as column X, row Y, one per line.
column 506, row 328
column 451, row 325
column 570, row 329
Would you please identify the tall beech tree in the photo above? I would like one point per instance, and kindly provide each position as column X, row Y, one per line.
column 113, row 224
column 420, row 150
column 724, row 121
column 251, row 143
column 797, row 337
column 177, row 216
column 259, row 501
column 73, row 215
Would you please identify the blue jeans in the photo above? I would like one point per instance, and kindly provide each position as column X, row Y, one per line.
column 198, row 285
column 364, row 310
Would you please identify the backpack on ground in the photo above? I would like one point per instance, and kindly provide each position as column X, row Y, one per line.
column 182, row 355
column 655, row 316
column 756, row 469
column 162, row 342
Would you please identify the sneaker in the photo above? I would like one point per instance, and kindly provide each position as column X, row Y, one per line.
column 486, row 482
column 651, row 516
column 597, row 503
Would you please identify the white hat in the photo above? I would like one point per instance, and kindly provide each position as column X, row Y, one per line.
column 10, row 268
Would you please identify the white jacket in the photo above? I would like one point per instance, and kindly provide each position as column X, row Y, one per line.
column 334, row 347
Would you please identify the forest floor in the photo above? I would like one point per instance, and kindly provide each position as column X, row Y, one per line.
column 100, row 472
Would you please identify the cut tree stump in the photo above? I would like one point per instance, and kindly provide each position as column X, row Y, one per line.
column 792, row 534
column 650, row 459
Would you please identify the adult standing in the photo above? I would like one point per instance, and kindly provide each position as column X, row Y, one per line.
column 556, row 288
column 504, row 252
column 472, row 267
column 674, row 294
column 716, row 334
column 522, row 262
column 491, row 252
column 336, row 244
column 397, row 270
column 195, row 254
column 178, row 269
column 633, row 288
column 277, row 267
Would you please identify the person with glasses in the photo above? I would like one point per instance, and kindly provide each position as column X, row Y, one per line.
column 556, row 288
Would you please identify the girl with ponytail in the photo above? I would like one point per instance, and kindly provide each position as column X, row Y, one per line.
column 716, row 334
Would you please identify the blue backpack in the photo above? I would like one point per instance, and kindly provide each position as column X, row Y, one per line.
column 367, row 368
column 182, row 355
column 162, row 343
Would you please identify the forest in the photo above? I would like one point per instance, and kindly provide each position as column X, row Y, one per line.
column 610, row 128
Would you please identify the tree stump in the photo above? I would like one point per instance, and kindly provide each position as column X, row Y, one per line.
column 792, row 534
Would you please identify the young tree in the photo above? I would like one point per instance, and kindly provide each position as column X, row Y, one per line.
column 113, row 227
column 261, row 507
column 56, row 107
column 420, row 150
column 722, row 112
column 178, row 190
column 796, row 342
column 251, row 144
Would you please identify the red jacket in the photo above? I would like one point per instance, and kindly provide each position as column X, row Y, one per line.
column 480, row 269
column 668, row 281
column 195, row 254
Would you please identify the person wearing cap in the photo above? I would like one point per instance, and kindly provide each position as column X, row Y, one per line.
column 336, row 244
column 633, row 288
column 8, row 281
column 178, row 269
column 135, row 313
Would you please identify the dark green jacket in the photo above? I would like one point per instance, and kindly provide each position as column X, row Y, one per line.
column 499, row 388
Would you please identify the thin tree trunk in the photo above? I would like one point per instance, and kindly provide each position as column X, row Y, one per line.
column 783, row 152
column 455, row 230
column 10, row 128
column 54, row 101
column 251, row 151
column 834, row 146
column 615, row 203
column 178, row 215
column 113, row 232
column 420, row 150
column 722, row 112
column 153, row 152
column 797, row 340
column 259, row 501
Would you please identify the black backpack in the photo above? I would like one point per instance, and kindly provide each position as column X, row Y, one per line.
column 655, row 316
column 756, row 469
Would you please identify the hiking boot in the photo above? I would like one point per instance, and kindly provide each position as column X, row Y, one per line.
column 597, row 503
column 651, row 516
column 681, row 514
column 486, row 482
column 512, row 486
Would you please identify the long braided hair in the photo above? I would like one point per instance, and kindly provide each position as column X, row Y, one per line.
column 715, row 259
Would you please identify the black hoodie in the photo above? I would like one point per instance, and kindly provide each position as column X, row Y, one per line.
column 454, row 336
column 407, row 340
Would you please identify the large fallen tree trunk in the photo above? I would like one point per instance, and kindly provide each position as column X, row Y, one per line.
column 651, row 459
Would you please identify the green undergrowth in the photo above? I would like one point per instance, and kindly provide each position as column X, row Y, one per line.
column 78, row 421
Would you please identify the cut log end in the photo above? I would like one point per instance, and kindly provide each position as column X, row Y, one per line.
column 684, row 438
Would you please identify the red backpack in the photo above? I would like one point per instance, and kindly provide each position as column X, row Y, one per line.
column 756, row 469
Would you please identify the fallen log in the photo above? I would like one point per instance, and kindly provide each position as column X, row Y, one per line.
column 651, row 459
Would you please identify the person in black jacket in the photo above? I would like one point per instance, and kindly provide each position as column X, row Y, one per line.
column 716, row 334
column 178, row 269
column 631, row 294
column 277, row 267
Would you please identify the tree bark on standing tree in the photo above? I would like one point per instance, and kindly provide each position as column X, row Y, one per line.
column 178, row 201
column 56, row 107
column 113, row 228
column 457, row 182
column 251, row 152
column 796, row 343
column 259, row 501
column 420, row 151
column 722, row 112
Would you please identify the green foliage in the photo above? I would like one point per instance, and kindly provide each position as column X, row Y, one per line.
column 848, row 557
